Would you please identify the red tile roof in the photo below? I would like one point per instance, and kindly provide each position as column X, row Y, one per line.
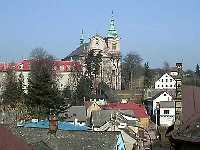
column 138, row 109
column 8, row 141
column 24, row 65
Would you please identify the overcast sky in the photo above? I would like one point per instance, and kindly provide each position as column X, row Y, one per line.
column 159, row 30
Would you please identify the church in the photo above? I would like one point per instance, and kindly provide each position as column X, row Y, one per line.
column 109, row 46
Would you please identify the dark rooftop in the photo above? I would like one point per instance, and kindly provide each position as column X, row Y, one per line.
column 68, row 140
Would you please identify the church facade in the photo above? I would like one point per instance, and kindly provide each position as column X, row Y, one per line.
column 109, row 47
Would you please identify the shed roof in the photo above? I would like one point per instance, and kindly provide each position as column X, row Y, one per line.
column 167, row 104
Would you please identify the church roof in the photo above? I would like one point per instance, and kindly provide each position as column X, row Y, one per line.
column 81, row 50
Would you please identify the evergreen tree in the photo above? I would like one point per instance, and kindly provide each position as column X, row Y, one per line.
column 43, row 94
column 147, row 76
column 83, row 91
column 12, row 91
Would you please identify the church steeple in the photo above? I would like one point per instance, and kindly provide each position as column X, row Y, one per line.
column 112, row 32
column 82, row 38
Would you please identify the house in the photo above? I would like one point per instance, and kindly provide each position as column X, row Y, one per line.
column 162, row 96
column 90, row 107
column 139, row 111
column 71, row 140
column 167, row 113
column 165, row 82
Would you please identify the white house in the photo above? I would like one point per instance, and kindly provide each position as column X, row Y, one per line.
column 160, row 97
column 167, row 113
column 165, row 82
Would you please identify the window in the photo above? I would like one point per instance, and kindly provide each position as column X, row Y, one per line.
column 114, row 46
column 166, row 80
column 170, row 80
column 174, row 85
column 166, row 111
column 162, row 80
column 165, row 95
column 158, row 85
column 166, row 85
column 170, row 85
column 162, row 85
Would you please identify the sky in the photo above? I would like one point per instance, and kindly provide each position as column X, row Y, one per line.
column 158, row 30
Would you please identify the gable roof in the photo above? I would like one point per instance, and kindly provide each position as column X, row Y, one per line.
column 157, row 95
column 166, row 74
column 78, row 112
column 138, row 109
column 81, row 50
column 70, row 140
column 99, row 118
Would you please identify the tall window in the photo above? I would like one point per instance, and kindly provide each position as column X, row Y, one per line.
column 166, row 111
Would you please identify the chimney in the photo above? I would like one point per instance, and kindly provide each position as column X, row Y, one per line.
column 53, row 124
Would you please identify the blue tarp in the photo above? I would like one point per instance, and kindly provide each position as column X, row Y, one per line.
column 61, row 125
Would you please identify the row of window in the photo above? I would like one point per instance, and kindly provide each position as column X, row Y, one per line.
column 166, row 80
column 166, row 85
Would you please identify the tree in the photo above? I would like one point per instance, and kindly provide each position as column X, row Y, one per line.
column 83, row 90
column 131, row 68
column 43, row 95
column 12, row 92
column 197, row 71
column 147, row 76
column 93, row 63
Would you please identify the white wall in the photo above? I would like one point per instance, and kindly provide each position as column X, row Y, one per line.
column 165, row 82
column 163, row 97
column 167, row 119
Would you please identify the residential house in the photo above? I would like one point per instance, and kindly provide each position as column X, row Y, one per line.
column 139, row 111
column 162, row 96
column 71, row 140
column 165, row 82
column 167, row 113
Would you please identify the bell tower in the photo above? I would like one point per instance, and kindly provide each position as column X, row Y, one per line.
column 113, row 38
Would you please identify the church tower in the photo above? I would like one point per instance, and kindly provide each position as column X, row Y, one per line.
column 113, row 38
column 113, row 51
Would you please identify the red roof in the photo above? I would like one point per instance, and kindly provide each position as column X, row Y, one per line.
column 8, row 141
column 138, row 109
column 24, row 65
